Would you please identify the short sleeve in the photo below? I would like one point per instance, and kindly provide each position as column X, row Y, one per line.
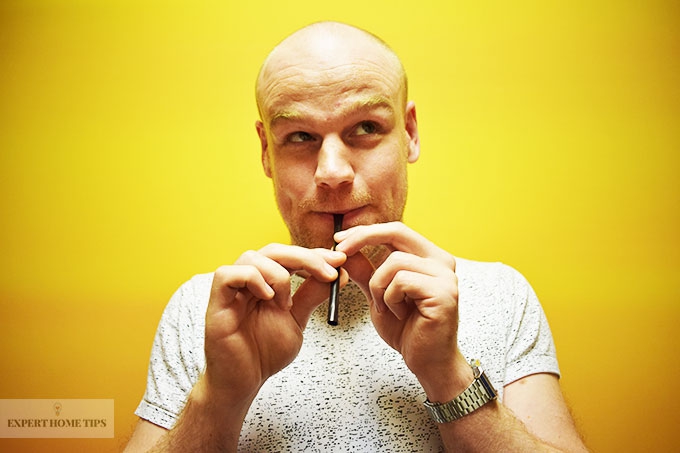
column 177, row 356
column 530, row 346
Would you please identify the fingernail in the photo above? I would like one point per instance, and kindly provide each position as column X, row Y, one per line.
column 337, row 257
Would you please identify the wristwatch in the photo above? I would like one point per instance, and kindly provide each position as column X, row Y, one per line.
column 475, row 396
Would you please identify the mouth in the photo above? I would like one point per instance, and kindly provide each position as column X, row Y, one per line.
column 349, row 216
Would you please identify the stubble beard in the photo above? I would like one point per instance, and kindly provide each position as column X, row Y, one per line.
column 305, row 237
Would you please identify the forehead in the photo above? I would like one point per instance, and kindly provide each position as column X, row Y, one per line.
column 307, row 93
column 328, row 78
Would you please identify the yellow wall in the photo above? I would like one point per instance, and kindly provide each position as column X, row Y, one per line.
column 129, row 162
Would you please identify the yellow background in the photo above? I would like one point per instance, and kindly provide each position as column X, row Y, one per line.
column 129, row 161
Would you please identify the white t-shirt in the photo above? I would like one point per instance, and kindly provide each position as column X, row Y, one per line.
column 348, row 390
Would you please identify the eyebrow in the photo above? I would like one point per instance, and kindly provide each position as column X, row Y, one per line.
column 369, row 103
column 285, row 115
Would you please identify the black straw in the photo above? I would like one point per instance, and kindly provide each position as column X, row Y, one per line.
column 334, row 296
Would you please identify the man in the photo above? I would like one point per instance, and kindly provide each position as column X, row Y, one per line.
column 230, row 369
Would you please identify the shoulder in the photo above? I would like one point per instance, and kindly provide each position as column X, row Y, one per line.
column 198, row 285
column 193, row 291
column 493, row 289
column 189, row 302
column 488, row 275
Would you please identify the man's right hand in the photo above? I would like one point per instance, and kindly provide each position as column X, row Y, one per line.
column 253, row 329
column 253, row 324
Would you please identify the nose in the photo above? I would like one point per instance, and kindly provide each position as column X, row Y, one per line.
column 333, row 168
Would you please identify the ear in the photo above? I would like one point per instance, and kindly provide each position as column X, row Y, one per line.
column 262, row 134
column 411, row 124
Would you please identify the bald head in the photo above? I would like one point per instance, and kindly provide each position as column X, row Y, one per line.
column 321, row 52
column 336, row 130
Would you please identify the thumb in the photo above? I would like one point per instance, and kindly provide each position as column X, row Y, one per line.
column 310, row 295
column 361, row 270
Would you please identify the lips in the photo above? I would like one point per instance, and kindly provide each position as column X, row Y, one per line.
column 349, row 214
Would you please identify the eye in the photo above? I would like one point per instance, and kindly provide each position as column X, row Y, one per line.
column 366, row 127
column 299, row 137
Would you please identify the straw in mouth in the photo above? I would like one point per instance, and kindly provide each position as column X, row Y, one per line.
column 334, row 296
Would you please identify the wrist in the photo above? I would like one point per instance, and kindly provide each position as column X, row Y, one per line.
column 444, row 383
column 220, row 402
column 474, row 397
column 208, row 422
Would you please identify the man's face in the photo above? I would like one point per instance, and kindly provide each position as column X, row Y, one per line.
column 336, row 138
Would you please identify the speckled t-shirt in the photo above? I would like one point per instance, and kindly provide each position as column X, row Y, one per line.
column 357, row 395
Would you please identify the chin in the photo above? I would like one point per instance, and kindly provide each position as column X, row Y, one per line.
column 310, row 239
column 313, row 243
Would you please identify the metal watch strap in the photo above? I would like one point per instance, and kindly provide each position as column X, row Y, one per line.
column 475, row 396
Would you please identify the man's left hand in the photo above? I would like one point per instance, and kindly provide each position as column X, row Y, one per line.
column 413, row 293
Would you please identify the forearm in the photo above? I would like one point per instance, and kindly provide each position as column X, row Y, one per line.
column 494, row 426
column 208, row 423
column 491, row 428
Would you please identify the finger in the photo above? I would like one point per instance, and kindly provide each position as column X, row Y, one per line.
column 405, row 261
column 319, row 263
column 435, row 298
column 395, row 235
column 405, row 292
column 275, row 275
column 233, row 289
column 229, row 280
column 417, row 274
column 309, row 296
column 361, row 270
